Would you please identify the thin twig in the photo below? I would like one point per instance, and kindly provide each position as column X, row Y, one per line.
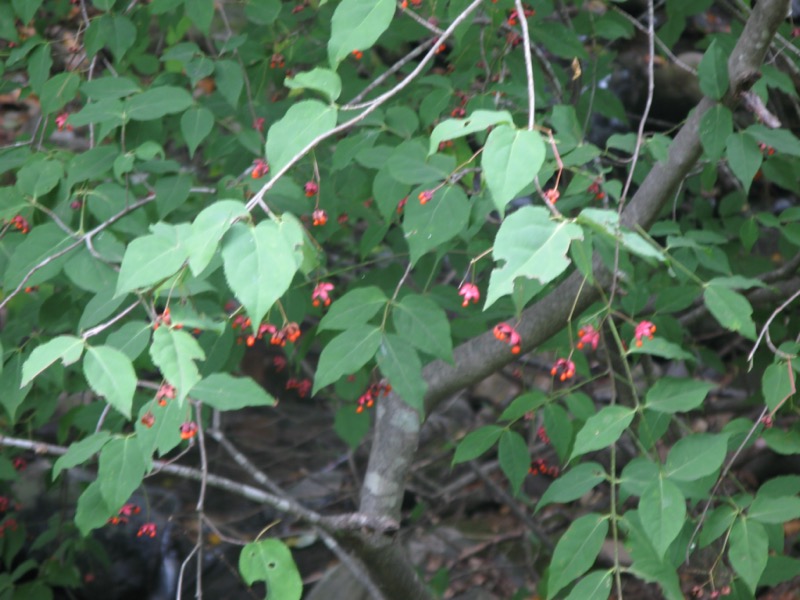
column 103, row 326
column 771, row 318
column 526, row 40
column 418, row 19
column 388, row 73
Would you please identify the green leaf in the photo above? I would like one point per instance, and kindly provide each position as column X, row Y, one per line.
column 79, row 452
column 409, row 163
column 91, row 164
column 131, row 339
column 357, row 25
column 207, row 230
column 38, row 246
column 259, row 266
column 39, row 177
column 302, row 124
column 647, row 565
column 576, row 551
column 120, row 470
column 531, row 245
column 92, row 511
column 325, row 81
column 149, row 260
column 718, row 522
column 110, row 374
column 57, row 91
column 782, row 442
column 716, row 125
column 779, row 569
column 428, row 226
column 595, row 586
column 514, row 458
column 100, row 307
column 573, row 484
column 171, row 193
column 39, row 65
column 511, row 159
column 104, row 4
column 104, row 88
column 174, row 352
column 748, row 550
column 744, row 157
column 351, row 426
column 602, row 429
column 157, row 102
column 346, row 353
column 696, row 456
column 662, row 509
column 13, row 394
column 661, row 347
column 423, row 323
column 776, row 384
column 450, row 129
column 559, row 429
column 731, row 310
column 774, row 509
column 230, row 80
column 196, row 124
column 400, row 364
column 119, row 34
column 66, row 348
column 164, row 435
column 782, row 140
column 110, row 112
column 26, row 9
column 262, row 12
column 201, row 12
column 712, row 72
column 672, row 395
column 523, row 404
column 224, row 392
column 354, row 308
column 271, row 561
column 477, row 442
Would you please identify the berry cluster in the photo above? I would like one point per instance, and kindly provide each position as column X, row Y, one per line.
column 188, row 430
column 588, row 335
column 320, row 294
column 513, row 18
column 303, row 386
column 367, row 399
column 595, row 189
column 425, row 196
column 541, row 433
column 540, row 467
column 505, row 333
column 563, row 369
column 471, row 292
column 260, row 168
column 164, row 393
column 61, row 122
column 319, row 217
column 645, row 329
column 21, row 224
